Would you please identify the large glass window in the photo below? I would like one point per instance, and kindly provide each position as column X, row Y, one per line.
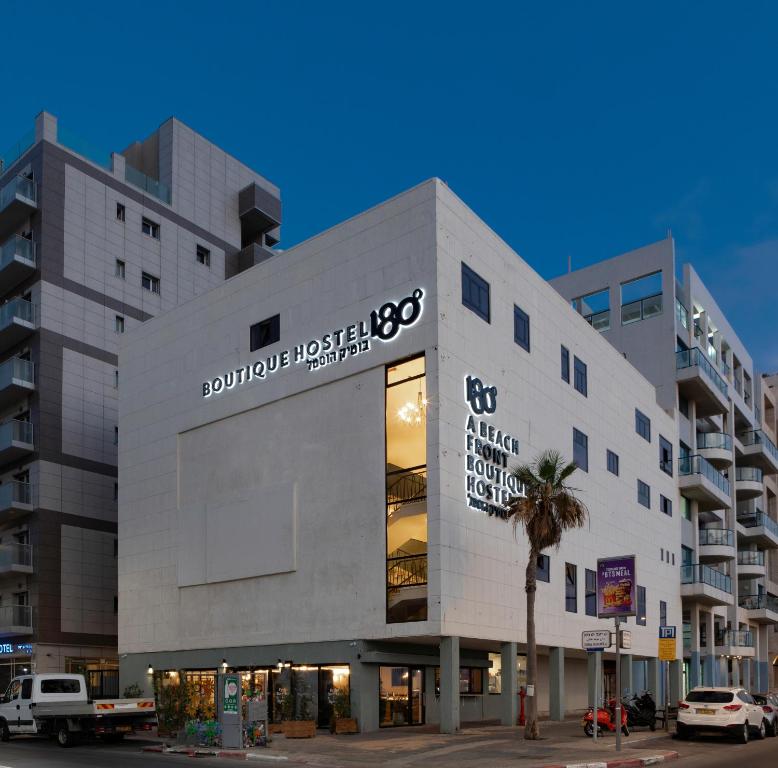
column 406, row 491
column 400, row 696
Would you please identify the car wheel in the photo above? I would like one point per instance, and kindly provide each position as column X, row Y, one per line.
column 771, row 728
column 760, row 734
column 64, row 737
column 742, row 736
column 5, row 734
column 652, row 725
column 681, row 732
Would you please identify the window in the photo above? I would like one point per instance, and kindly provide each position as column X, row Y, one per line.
column 673, row 558
column 644, row 494
column 595, row 308
column 580, row 383
column 565, row 364
column 118, row 324
column 68, row 685
column 150, row 228
column 687, row 555
column 116, row 379
column 665, row 505
column 116, row 547
column 119, row 270
column 662, row 613
column 266, row 332
column 591, row 593
column 116, row 435
column 475, row 293
column 203, row 256
column 571, row 588
column 149, row 282
column 471, row 680
column 686, row 508
column 683, row 405
column 641, row 298
column 115, row 496
column 27, row 688
column 665, row 456
column 521, row 327
column 613, row 462
column 119, row 212
column 640, row 619
column 642, row 425
column 116, row 604
column 581, row 450
column 543, row 568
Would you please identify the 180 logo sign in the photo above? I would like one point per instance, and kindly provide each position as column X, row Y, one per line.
column 385, row 323
column 480, row 398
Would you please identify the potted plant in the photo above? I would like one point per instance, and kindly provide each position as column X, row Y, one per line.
column 342, row 722
column 299, row 723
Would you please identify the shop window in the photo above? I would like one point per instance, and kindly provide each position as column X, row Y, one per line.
column 471, row 681
column 406, row 491
column 400, row 696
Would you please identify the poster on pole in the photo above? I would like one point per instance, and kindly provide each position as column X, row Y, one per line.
column 231, row 700
column 616, row 587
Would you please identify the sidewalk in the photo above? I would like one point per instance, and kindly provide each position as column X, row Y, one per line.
column 562, row 744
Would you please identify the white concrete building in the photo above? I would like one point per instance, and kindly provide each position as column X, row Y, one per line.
column 675, row 333
column 295, row 494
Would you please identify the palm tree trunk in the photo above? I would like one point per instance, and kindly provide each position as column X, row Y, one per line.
column 531, row 730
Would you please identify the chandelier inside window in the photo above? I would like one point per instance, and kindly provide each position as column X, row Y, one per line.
column 413, row 413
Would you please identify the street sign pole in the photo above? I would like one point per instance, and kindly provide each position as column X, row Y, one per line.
column 595, row 722
column 667, row 695
column 618, row 686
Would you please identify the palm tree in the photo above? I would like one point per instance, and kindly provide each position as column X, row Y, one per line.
column 548, row 508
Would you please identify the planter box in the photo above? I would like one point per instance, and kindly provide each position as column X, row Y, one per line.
column 346, row 725
column 275, row 728
column 299, row 729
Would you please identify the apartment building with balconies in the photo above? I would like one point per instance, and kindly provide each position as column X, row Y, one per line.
column 666, row 323
column 90, row 246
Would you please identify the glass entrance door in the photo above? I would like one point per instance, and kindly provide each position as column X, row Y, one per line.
column 401, row 696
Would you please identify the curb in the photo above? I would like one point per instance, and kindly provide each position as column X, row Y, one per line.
column 638, row 762
column 205, row 752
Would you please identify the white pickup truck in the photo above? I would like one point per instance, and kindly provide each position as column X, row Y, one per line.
column 57, row 705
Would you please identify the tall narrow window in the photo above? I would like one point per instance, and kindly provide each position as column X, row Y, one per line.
column 642, row 425
column 581, row 377
column 666, row 505
column 644, row 494
column 662, row 613
column 118, row 324
column 120, row 213
column 665, row 456
column 613, row 462
column 565, row 360
column 521, row 327
column 543, row 570
column 203, row 256
column 571, row 588
column 591, row 593
column 581, row 450
column 120, row 269
column 641, row 617
column 406, row 491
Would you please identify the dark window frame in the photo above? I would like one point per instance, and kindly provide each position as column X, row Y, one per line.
column 571, row 588
column 666, row 505
column 543, row 572
column 121, row 212
column 264, row 333
column 581, row 443
column 641, row 618
column 150, row 283
column 647, row 502
column 642, row 425
column 590, row 592
column 612, row 462
column 565, row 363
column 665, row 455
column 203, row 255
column 149, row 227
column 580, row 376
column 472, row 279
column 521, row 328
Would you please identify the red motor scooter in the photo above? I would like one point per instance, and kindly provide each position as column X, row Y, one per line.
column 606, row 717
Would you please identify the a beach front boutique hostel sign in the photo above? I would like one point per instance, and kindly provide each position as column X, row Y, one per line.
column 384, row 324
column 488, row 479
column 616, row 587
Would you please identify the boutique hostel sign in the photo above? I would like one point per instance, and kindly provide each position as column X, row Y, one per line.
column 488, row 480
column 330, row 348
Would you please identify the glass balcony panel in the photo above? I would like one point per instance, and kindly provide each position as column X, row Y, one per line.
column 697, row 465
column 686, row 358
column 720, row 440
column 704, row 574
column 747, row 557
column 652, row 306
column 630, row 313
column 717, row 537
column 748, row 474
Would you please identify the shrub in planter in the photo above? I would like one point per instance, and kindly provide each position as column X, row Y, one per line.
column 341, row 721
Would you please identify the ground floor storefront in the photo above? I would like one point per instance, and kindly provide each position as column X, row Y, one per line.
column 387, row 684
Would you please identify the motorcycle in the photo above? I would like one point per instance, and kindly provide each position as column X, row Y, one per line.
column 606, row 719
column 641, row 710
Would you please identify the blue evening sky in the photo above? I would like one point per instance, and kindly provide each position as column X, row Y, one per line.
column 574, row 129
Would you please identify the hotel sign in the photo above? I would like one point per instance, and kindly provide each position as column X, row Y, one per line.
column 384, row 324
column 489, row 483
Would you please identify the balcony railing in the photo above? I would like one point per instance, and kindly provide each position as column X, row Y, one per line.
column 758, row 519
column 717, row 537
column 16, row 368
column 406, row 571
column 17, row 309
column 747, row 557
column 725, row 369
column 641, row 309
column 681, row 314
column 697, row 465
column 741, row 638
column 748, row 474
column 714, row 440
column 16, row 247
column 15, row 555
column 758, row 437
column 15, row 616
column 147, row 184
column 758, row 602
column 600, row 321
column 19, row 185
column 687, row 358
column 15, row 431
column 704, row 574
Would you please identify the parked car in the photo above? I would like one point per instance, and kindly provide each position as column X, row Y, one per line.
column 769, row 704
column 724, row 710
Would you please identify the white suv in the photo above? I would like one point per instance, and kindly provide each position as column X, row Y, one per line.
column 729, row 710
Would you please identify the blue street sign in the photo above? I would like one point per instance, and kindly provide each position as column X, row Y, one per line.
column 667, row 633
